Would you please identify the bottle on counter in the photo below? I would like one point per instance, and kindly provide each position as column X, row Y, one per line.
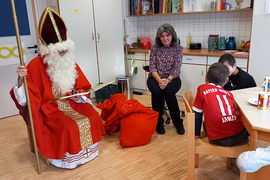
column 188, row 40
column 139, row 42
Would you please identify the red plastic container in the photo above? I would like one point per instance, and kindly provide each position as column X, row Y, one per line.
column 148, row 46
column 145, row 43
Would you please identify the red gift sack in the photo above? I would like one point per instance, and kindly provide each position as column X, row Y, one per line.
column 108, row 106
column 113, row 122
column 109, row 112
column 138, row 124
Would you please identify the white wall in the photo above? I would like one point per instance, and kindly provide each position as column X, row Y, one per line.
column 259, row 59
column 40, row 6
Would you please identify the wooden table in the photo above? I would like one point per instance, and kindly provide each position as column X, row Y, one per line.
column 257, row 123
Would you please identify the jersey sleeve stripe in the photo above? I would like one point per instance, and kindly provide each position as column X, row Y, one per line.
column 197, row 110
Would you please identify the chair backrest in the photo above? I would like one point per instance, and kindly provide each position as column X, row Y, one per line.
column 189, row 98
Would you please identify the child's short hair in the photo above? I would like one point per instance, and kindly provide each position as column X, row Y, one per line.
column 227, row 58
column 217, row 73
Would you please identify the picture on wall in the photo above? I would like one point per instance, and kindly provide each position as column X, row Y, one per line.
column 6, row 18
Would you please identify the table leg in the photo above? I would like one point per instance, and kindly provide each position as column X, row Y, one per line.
column 252, row 139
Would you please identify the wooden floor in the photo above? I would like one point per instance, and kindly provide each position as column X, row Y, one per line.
column 165, row 157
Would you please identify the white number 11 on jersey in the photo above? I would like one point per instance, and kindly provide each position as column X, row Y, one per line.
column 221, row 105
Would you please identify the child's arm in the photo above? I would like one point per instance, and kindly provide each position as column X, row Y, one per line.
column 198, row 123
column 252, row 161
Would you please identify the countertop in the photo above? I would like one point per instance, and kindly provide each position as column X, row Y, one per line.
column 195, row 52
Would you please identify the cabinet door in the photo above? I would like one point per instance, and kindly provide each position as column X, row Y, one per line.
column 240, row 62
column 138, row 80
column 109, row 31
column 191, row 76
column 146, row 74
column 78, row 17
column 194, row 59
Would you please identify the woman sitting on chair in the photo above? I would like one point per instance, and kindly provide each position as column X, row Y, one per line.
column 163, row 81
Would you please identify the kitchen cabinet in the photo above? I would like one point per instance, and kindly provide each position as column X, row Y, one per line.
column 240, row 62
column 187, row 59
column 139, row 79
column 191, row 76
column 96, row 27
column 193, row 71
column 146, row 75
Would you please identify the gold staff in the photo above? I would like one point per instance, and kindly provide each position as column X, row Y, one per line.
column 18, row 38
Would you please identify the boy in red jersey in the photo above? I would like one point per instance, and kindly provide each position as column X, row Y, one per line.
column 223, row 125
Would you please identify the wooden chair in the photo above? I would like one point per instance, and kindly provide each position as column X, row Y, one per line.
column 31, row 145
column 203, row 145
column 26, row 118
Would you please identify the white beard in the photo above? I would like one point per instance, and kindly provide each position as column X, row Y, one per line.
column 61, row 70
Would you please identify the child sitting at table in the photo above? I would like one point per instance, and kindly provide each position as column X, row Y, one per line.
column 223, row 125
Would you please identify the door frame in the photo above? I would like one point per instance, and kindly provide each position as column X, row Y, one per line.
column 35, row 19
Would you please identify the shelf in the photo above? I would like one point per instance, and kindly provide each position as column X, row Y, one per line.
column 245, row 9
column 139, row 50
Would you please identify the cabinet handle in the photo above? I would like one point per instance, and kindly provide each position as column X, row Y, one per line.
column 98, row 36
column 92, row 36
column 203, row 72
column 189, row 59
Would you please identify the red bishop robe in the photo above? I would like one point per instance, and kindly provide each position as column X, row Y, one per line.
column 60, row 126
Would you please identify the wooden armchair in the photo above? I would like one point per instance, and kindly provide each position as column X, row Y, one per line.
column 26, row 118
column 203, row 145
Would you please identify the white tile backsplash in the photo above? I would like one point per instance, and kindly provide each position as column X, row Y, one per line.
column 200, row 25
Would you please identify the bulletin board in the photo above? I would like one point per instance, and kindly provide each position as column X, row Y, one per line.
column 6, row 18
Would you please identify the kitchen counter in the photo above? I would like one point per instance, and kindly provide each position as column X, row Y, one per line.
column 139, row 50
column 195, row 52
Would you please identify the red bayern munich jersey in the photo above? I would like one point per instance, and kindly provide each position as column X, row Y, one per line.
column 217, row 105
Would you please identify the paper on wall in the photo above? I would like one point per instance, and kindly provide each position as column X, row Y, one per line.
column 9, row 54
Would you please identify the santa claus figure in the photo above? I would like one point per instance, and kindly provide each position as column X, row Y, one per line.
column 67, row 130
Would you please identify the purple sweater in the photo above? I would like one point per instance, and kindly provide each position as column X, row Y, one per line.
column 166, row 61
